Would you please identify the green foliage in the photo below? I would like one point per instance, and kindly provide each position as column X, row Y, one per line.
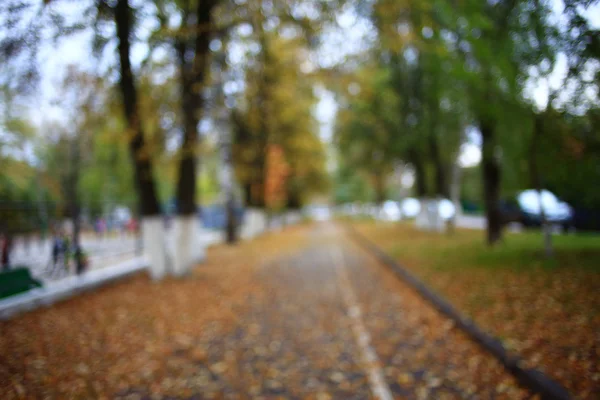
column 23, row 202
column 350, row 186
column 277, row 111
column 107, row 179
column 368, row 128
column 429, row 70
column 571, row 156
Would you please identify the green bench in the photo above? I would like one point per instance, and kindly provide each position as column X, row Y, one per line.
column 16, row 281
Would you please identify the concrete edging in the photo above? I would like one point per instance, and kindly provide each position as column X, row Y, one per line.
column 533, row 379
column 68, row 287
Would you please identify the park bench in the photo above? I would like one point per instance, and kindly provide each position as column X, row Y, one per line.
column 16, row 281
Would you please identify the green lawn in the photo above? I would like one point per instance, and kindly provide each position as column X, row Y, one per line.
column 519, row 251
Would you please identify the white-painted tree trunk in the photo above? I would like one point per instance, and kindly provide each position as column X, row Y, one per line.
column 436, row 223
column 421, row 219
column 153, row 236
column 429, row 218
column 186, row 244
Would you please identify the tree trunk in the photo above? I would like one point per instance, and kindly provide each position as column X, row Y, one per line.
column 420, row 179
column 455, row 194
column 536, row 183
column 294, row 201
column 74, row 212
column 248, row 194
column 183, row 224
column 379, row 184
column 192, row 81
column 231, row 232
column 258, row 187
column 226, row 142
column 227, row 182
column 441, row 179
column 142, row 165
column 491, row 183
column 77, row 250
column 228, row 186
column 264, row 84
column 433, row 101
column 42, row 206
column 151, row 224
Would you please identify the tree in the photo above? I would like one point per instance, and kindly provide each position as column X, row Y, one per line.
column 368, row 129
column 192, row 48
column 497, row 59
column 149, row 207
column 275, row 115
column 414, row 44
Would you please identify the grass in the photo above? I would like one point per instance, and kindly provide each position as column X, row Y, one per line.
column 522, row 251
column 547, row 310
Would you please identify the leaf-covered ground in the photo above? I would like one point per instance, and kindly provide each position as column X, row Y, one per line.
column 548, row 311
column 270, row 319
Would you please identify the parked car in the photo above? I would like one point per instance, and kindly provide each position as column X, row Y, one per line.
column 526, row 208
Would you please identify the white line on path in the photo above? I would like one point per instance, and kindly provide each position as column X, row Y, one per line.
column 375, row 375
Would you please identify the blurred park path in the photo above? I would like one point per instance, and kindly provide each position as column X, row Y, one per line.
column 302, row 313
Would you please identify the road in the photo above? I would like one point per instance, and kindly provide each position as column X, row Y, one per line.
column 337, row 324
column 323, row 320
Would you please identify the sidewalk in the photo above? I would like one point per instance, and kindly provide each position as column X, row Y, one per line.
column 98, row 275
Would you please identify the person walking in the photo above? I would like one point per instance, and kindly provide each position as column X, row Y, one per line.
column 6, row 247
column 57, row 246
column 66, row 253
column 60, row 252
column 81, row 260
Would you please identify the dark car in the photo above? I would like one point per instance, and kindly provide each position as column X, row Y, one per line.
column 586, row 219
column 525, row 209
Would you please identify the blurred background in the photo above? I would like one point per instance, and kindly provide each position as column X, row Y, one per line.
column 481, row 114
column 462, row 137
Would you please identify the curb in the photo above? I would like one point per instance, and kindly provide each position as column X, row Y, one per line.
column 68, row 287
column 532, row 379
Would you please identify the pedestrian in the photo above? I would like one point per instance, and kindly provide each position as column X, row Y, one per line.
column 101, row 227
column 132, row 226
column 57, row 248
column 81, row 260
column 65, row 251
column 6, row 247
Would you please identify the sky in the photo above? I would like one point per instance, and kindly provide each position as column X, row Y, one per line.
column 348, row 38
